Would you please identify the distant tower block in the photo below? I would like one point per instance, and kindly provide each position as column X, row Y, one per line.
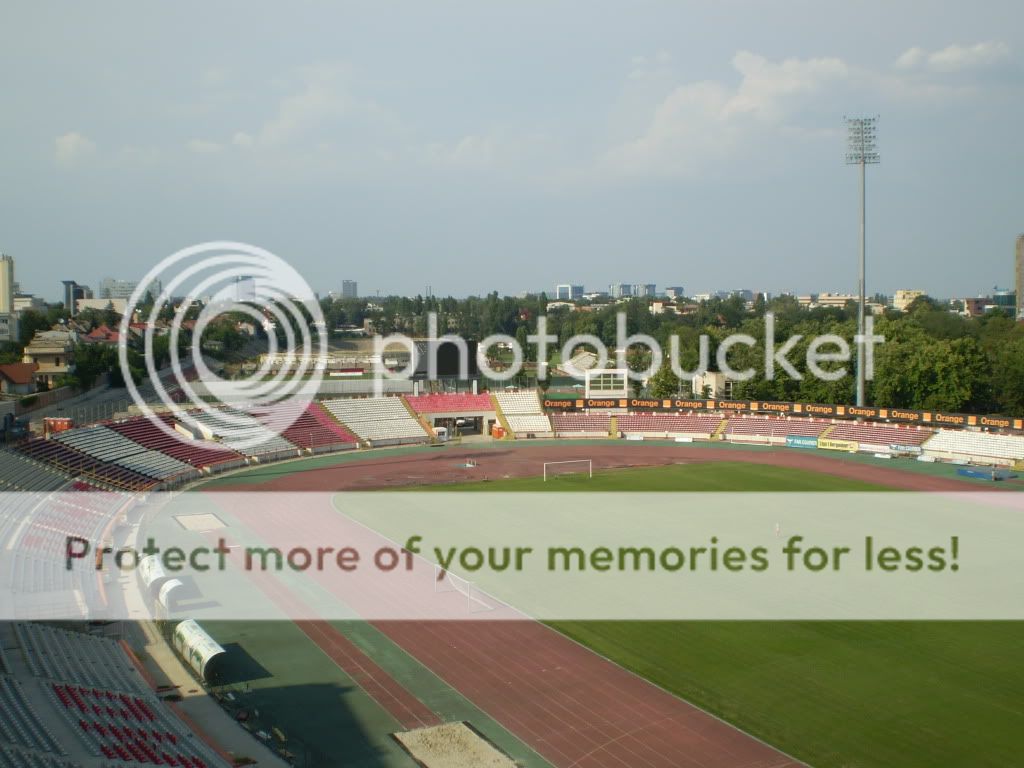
column 1020, row 277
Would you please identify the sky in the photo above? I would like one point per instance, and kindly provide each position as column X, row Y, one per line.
column 476, row 146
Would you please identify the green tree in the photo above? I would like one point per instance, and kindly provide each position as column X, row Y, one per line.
column 664, row 383
column 91, row 362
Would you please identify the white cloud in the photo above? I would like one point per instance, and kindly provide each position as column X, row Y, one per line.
column 954, row 58
column 651, row 67
column 470, row 152
column 912, row 58
column 203, row 147
column 699, row 122
column 317, row 101
column 323, row 98
column 767, row 89
column 511, row 154
column 72, row 147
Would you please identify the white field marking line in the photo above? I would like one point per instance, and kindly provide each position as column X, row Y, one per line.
column 685, row 701
column 420, row 556
column 591, row 650
column 365, row 671
column 624, row 735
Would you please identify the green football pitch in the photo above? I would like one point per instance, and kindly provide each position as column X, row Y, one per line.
column 839, row 694
column 723, row 476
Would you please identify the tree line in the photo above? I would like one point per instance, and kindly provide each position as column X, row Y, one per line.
column 932, row 358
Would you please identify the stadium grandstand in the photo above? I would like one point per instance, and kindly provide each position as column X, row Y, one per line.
column 581, row 424
column 203, row 455
column 378, row 420
column 310, row 427
column 77, row 464
column 771, row 429
column 12, row 757
column 35, row 535
column 20, row 725
column 248, row 435
column 77, row 701
column 20, row 473
column 459, row 402
column 524, row 415
column 695, row 425
column 111, row 447
column 983, row 447
column 878, row 437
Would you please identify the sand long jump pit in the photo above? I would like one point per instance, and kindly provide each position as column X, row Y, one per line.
column 452, row 745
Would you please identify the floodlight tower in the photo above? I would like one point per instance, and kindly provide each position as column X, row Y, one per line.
column 861, row 150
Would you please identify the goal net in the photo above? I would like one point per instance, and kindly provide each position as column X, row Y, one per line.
column 446, row 581
column 553, row 469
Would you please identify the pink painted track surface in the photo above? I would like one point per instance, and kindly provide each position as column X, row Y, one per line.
column 572, row 706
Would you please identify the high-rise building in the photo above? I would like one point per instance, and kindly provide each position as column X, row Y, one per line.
column 1020, row 277
column 674, row 291
column 644, row 289
column 7, row 290
column 349, row 289
column 567, row 292
column 8, row 319
column 1004, row 299
column 111, row 288
column 72, row 293
column 620, row 290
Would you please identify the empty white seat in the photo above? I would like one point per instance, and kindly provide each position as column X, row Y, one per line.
column 528, row 422
column 244, row 433
column 518, row 402
column 378, row 419
column 959, row 443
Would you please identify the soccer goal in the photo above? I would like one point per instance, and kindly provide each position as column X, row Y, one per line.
column 554, row 469
column 477, row 600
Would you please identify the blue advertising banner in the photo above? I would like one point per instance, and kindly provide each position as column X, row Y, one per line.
column 801, row 441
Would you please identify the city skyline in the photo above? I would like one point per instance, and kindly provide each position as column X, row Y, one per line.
column 122, row 286
column 576, row 291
